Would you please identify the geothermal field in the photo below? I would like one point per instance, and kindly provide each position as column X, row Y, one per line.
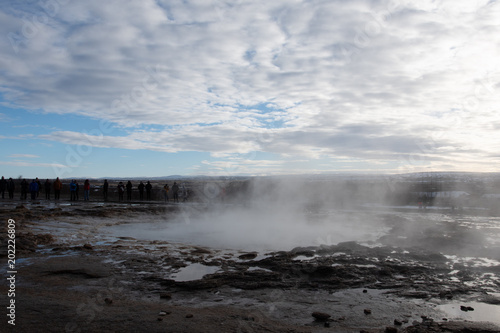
column 411, row 253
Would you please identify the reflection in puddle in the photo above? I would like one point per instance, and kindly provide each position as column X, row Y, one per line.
column 194, row 272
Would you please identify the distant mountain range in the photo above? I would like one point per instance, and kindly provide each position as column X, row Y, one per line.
column 462, row 176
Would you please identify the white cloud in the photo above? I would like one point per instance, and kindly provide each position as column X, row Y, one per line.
column 30, row 164
column 23, row 156
column 372, row 81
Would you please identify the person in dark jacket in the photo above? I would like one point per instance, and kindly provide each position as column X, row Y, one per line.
column 24, row 189
column 39, row 186
column 48, row 187
column 34, row 189
column 141, row 190
column 3, row 186
column 175, row 192
column 105, row 188
column 129, row 190
column 10, row 188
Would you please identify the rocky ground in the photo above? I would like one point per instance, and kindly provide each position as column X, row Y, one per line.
column 73, row 277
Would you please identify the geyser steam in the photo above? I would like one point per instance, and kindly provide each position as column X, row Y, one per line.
column 272, row 215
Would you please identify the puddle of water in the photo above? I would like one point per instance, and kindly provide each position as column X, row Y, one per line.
column 257, row 268
column 365, row 266
column 193, row 272
column 482, row 311
column 305, row 258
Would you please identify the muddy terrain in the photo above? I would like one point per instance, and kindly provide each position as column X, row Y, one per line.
column 78, row 271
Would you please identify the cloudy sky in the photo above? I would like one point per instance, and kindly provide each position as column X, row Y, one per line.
column 248, row 87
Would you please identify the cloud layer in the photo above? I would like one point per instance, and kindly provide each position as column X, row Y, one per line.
column 394, row 83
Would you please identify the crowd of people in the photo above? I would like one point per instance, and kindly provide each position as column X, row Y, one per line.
column 35, row 187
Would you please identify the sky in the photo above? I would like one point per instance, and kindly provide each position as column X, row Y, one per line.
column 248, row 87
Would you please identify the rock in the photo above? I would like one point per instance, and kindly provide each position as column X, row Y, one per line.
column 189, row 315
column 162, row 313
column 248, row 256
column 466, row 308
column 398, row 322
column 365, row 291
column 165, row 295
column 108, row 300
column 87, row 246
column 320, row 315
column 199, row 250
column 367, row 311
column 389, row 329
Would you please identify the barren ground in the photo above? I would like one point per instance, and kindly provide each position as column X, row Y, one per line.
column 74, row 276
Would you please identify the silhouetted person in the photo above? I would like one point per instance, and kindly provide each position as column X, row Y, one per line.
column 86, row 190
column 10, row 188
column 34, row 189
column 166, row 188
column 48, row 186
column 3, row 186
column 105, row 187
column 175, row 192
column 121, row 190
column 148, row 190
column 141, row 190
column 39, row 186
column 24, row 189
column 57, row 189
column 72, row 190
column 129, row 190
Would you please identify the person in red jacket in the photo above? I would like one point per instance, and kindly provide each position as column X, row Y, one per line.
column 86, row 190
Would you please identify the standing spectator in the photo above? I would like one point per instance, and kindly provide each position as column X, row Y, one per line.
column 86, row 190
column 129, row 190
column 184, row 193
column 141, row 190
column 57, row 188
column 72, row 190
column 39, row 187
column 121, row 190
column 77, row 192
column 165, row 192
column 34, row 189
column 105, row 187
column 175, row 192
column 148, row 190
column 3, row 186
column 10, row 188
column 24, row 189
column 48, row 186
